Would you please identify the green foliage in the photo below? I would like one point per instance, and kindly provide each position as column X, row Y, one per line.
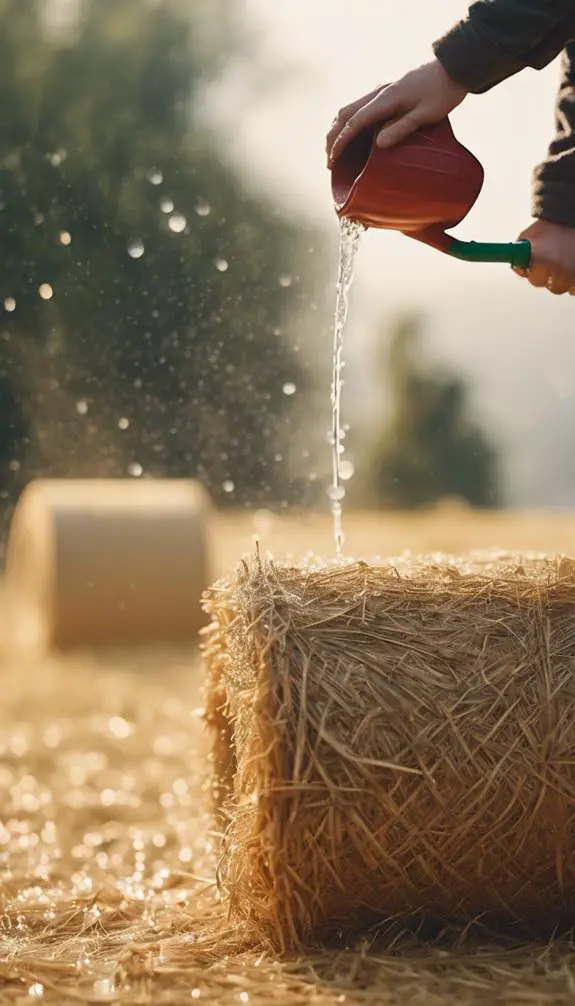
column 431, row 448
column 172, row 356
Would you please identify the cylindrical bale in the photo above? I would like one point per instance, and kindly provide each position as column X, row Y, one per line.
column 403, row 743
column 102, row 562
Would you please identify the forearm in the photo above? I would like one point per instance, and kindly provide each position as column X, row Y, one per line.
column 501, row 37
column 554, row 179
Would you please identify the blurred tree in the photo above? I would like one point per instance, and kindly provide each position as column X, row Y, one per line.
column 144, row 295
column 431, row 449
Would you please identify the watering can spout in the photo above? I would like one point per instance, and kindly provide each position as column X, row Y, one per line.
column 422, row 188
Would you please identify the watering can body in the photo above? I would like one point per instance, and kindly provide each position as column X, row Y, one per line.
column 421, row 187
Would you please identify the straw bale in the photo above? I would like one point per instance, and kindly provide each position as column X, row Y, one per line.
column 395, row 740
column 99, row 562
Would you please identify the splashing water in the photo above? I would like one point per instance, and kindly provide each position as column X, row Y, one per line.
column 350, row 235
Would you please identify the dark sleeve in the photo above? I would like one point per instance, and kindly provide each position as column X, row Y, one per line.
column 501, row 37
column 554, row 181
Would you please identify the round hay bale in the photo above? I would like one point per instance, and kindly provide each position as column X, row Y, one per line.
column 101, row 562
column 403, row 743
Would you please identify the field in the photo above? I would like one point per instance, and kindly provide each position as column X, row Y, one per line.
column 107, row 865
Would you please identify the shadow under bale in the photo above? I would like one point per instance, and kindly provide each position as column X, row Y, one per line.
column 395, row 741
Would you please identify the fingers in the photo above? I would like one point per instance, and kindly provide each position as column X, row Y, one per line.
column 556, row 282
column 383, row 105
column 344, row 115
column 559, row 284
column 398, row 131
column 538, row 275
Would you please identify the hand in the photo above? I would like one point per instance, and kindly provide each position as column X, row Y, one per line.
column 421, row 98
column 552, row 257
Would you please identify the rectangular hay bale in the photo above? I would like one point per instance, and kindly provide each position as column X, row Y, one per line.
column 396, row 739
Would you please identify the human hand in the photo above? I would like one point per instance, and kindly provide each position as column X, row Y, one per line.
column 420, row 98
column 552, row 257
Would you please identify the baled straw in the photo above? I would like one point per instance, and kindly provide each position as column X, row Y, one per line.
column 94, row 562
column 402, row 741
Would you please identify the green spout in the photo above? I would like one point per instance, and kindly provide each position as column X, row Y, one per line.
column 515, row 253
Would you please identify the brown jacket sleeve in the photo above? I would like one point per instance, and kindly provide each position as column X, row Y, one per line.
column 554, row 180
column 500, row 37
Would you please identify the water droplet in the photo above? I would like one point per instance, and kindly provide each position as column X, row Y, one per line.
column 57, row 158
column 177, row 223
column 167, row 206
column 65, row 238
column 136, row 249
column 336, row 493
column 196, row 993
column 228, row 486
column 289, row 388
column 346, row 470
column 221, row 264
column 135, row 469
column 9, row 304
column 46, row 292
column 103, row 989
column 286, row 280
column 119, row 727
column 14, row 465
column 36, row 991
column 155, row 176
column 123, row 423
column 82, row 407
column 202, row 208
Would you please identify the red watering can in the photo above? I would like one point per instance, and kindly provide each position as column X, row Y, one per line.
column 422, row 187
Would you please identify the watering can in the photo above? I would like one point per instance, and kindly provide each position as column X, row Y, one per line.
column 421, row 187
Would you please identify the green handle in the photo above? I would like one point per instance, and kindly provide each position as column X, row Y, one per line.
column 515, row 253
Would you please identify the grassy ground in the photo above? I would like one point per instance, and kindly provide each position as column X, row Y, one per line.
column 106, row 858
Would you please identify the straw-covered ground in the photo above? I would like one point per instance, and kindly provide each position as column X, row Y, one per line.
column 107, row 868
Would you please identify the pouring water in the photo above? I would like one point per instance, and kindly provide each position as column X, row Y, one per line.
column 350, row 235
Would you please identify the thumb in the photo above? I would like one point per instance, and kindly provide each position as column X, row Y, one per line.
column 397, row 131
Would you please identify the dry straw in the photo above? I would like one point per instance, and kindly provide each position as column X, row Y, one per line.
column 394, row 740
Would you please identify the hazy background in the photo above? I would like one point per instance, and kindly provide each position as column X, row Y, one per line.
column 169, row 255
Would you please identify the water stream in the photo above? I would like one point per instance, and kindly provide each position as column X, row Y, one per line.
column 350, row 235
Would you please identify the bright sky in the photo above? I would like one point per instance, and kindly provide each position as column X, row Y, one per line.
column 518, row 344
